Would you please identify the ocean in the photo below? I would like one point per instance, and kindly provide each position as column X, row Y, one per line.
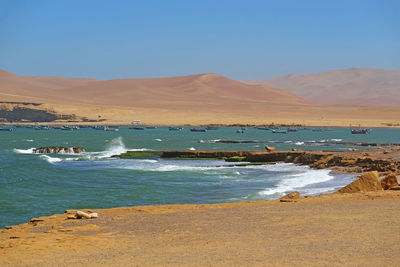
column 33, row 185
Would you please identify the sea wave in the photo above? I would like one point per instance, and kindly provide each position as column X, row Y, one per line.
column 50, row 159
column 294, row 181
column 24, row 151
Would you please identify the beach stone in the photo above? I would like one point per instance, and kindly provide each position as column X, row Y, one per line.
column 78, row 149
column 389, row 181
column 70, row 211
column 36, row 220
column 367, row 182
column 270, row 148
column 58, row 150
column 291, row 197
column 71, row 217
column 81, row 214
column 93, row 215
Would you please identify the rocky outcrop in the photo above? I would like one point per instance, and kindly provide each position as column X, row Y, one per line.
column 291, row 197
column 270, row 148
column 80, row 214
column 367, row 182
column 58, row 150
column 389, row 181
column 344, row 161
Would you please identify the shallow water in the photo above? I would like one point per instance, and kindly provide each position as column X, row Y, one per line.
column 34, row 185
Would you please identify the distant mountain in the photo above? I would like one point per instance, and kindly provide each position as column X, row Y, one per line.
column 184, row 91
column 358, row 86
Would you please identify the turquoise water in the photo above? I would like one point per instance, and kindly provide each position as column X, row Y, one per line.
column 34, row 185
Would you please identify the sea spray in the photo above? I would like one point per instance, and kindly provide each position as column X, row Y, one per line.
column 50, row 159
column 298, row 177
column 24, row 151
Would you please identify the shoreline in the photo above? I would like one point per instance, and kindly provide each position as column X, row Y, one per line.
column 213, row 124
column 316, row 229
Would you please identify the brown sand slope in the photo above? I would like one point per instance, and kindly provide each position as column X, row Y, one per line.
column 193, row 99
column 350, row 86
column 332, row 230
column 192, row 89
column 39, row 83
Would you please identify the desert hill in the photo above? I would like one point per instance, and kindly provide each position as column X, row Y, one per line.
column 35, row 86
column 195, row 90
column 193, row 99
column 358, row 86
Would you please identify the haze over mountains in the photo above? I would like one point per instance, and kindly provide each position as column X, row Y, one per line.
column 356, row 86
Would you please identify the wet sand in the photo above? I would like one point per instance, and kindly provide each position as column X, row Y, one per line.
column 359, row 229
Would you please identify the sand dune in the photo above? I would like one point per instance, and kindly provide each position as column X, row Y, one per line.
column 350, row 86
column 167, row 92
column 194, row 99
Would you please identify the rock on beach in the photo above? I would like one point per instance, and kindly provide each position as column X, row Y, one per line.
column 367, row 182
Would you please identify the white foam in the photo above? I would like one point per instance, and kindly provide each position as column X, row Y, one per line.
column 158, row 140
column 70, row 159
column 28, row 140
column 24, row 151
column 115, row 147
column 192, row 148
column 294, row 181
column 146, row 160
column 299, row 143
column 336, row 140
column 170, row 168
column 50, row 159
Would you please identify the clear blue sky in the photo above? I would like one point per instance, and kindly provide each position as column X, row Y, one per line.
column 239, row 39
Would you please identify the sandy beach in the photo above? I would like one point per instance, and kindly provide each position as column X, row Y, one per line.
column 331, row 230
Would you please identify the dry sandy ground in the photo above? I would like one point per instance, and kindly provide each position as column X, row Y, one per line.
column 255, row 114
column 331, row 230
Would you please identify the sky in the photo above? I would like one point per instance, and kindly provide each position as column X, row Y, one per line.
column 242, row 40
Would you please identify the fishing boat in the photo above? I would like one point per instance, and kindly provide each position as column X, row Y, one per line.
column 272, row 126
column 108, row 129
column 67, row 128
column 42, row 127
column 279, row 131
column 137, row 128
column 360, row 131
column 151, row 127
column 175, row 128
column 263, row 128
column 202, row 130
column 6, row 129
column 292, row 129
